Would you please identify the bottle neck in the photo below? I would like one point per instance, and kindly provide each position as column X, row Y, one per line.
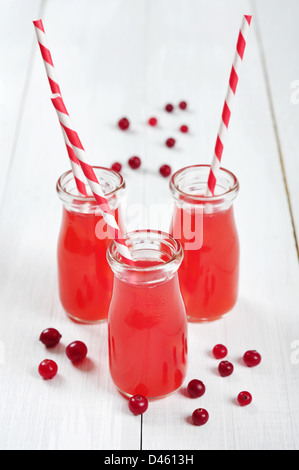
column 112, row 184
column 188, row 187
column 157, row 257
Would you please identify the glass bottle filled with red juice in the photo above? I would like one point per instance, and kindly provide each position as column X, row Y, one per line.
column 205, row 226
column 85, row 278
column 147, row 322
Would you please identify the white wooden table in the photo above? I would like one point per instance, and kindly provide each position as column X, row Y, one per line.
column 131, row 57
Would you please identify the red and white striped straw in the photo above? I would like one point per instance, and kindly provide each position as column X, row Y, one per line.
column 226, row 113
column 51, row 74
column 74, row 141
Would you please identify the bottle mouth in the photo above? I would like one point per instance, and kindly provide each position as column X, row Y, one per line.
column 190, row 184
column 157, row 256
column 111, row 183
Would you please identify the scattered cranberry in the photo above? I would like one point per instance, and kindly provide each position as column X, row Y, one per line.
column 134, row 162
column 116, row 167
column 219, row 351
column 48, row 369
column 196, row 388
column 225, row 368
column 183, row 105
column 153, row 121
column 165, row 170
column 244, row 398
column 123, row 124
column 184, row 129
column 200, row 417
column 169, row 108
column 170, row 142
column 76, row 351
column 252, row 358
column 50, row 337
column 138, row 404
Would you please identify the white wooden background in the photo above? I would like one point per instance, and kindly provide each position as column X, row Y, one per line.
column 131, row 57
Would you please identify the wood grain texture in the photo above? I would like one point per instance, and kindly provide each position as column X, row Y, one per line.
column 16, row 48
column 130, row 58
column 281, row 74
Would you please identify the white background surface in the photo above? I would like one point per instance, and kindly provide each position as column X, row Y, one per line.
column 116, row 58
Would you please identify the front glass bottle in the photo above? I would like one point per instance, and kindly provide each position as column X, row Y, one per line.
column 147, row 323
column 85, row 279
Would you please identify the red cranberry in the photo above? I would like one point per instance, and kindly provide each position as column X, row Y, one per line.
column 170, row 142
column 134, row 162
column 153, row 121
column 184, row 128
column 183, row 105
column 123, row 124
column 225, row 368
column 48, row 369
column 138, row 404
column 50, row 337
column 252, row 358
column 219, row 351
column 200, row 417
column 169, row 108
column 76, row 351
column 116, row 167
column 244, row 398
column 165, row 170
column 196, row 388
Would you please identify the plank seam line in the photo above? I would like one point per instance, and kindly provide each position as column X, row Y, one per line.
column 275, row 127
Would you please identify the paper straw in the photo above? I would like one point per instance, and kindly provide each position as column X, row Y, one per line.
column 226, row 113
column 74, row 141
column 51, row 74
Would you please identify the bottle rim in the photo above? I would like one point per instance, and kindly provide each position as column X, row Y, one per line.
column 67, row 195
column 231, row 193
column 117, row 263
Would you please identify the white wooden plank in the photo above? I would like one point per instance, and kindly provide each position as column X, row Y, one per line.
column 81, row 409
column 195, row 48
column 15, row 55
column 280, row 53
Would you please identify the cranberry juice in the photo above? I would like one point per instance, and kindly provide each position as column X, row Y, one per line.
column 85, row 279
column 209, row 275
column 147, row 336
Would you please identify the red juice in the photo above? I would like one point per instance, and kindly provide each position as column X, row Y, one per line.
column 147, row 334
column 85, row 278
column 209, row 275
column 205, row 226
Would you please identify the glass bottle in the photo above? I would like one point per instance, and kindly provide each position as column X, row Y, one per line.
column 147, row 323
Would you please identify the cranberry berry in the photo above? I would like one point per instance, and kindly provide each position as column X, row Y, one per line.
column 138, row 404
column 183, row 105
column 244, row 398
column 50, row 337
column 200, row 417
column 169, row 108
column 123, row 124
column 170, row 142
column 225, row 368
column 76, row 351
column 219, row 351
column 252, row 358
column 134, row 163
column 48, row 369
column 196, row 388
column 165, row 170
column 153, row 121
column 116, row 167
column 184, row 129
